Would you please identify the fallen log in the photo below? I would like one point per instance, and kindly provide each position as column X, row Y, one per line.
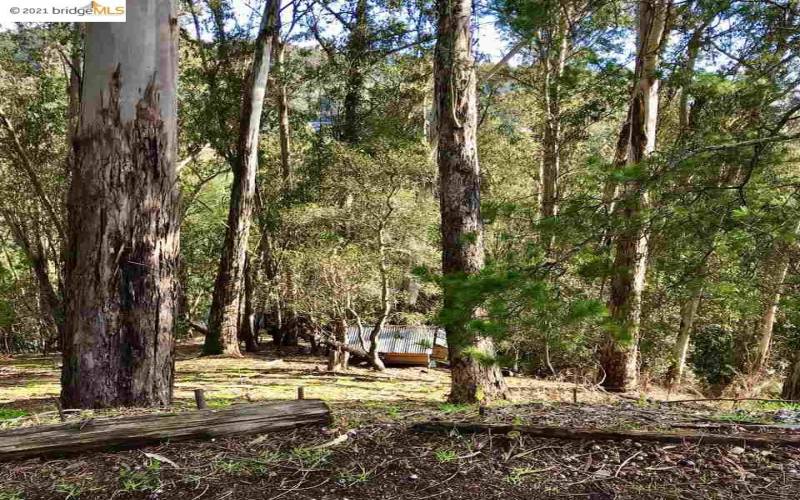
column 734, row 400
column 131, row 432
column 577, row 433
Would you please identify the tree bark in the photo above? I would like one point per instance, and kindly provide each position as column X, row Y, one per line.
column 386, row 305
column 338, row 357
column 459, row 191
column 357, row 51
column 30, row 241
column 284, row 130
column 777, row 264
column 248, row 326
column 681, row 348
column 791, row 384
column 223, row 334
column 123, row 205
column 619, row 352
column 553, row 55
column 692, row 51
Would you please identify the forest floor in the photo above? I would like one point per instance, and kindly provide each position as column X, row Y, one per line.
column 382, row 458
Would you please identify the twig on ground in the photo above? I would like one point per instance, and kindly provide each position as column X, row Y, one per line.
column 627, row 460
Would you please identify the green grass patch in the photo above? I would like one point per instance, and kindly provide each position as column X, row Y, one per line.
column 11, row 495
column 741, row 416
column 70, row 491
column 146, row 479
column 450, row 408
column 355, row 476
column 242, row 466
column 217, row 403
column 518, row 474
column 11, row 413
column 309, row 457
column 445, row 456
column 777, row 405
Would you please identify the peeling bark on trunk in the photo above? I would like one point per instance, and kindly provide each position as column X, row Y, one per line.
column 459, row 191
column 223, row 334
column 619, row 352
column 123, row 205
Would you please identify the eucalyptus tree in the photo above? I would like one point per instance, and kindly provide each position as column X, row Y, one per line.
column 619, row 351
column 224, row 319
column 123, row 206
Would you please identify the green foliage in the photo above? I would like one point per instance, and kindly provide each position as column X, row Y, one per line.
column 713, row 357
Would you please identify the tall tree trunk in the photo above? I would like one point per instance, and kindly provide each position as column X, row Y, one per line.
column 681, row 348
column 338, row 357
column 777, row 264
column 223, row 335
column 123, row 205
column 791, row 384
column 74, row 91
column 248, row 325
column 692, row 51
column 284, row 130
column 619, row 352
column 553, row 56
column 357, row 51
column 386, row 304
column 30, row 241
column 459, row 191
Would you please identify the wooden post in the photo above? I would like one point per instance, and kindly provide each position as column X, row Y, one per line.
column 301, row 392
column 200, row 399
column 574, row 394
column 60, row 409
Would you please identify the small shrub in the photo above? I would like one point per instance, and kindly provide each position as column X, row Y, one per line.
column 713, row 357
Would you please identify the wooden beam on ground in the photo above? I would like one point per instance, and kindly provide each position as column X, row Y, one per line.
column 740, row 439
column 131, row 432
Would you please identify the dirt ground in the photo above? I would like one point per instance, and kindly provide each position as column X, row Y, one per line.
column 382, row 457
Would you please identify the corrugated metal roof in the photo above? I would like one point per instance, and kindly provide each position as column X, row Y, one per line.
column 405, row 339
